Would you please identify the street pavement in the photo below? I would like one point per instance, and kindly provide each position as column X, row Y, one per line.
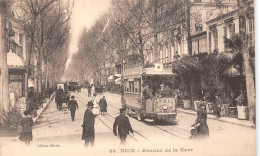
column 54, row 132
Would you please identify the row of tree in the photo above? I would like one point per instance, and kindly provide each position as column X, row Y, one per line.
column 47, row 27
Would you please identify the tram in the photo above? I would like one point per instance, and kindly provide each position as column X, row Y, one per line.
column 155, row 108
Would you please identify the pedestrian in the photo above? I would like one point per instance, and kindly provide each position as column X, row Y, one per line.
column 72, row 106
column 89, row 91
column 88, row 133
column 124, row 126
column 58, row 98
column 218, row 104
column 201, row 122
column 103, row 105
column 95, row 105
column 26, row 123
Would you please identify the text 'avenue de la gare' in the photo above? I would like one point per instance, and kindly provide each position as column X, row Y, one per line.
column 151, row 150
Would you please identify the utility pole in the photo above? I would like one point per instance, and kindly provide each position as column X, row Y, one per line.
column 4, row 86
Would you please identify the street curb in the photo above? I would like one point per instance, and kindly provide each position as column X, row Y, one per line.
column 47, row 104
column 220, row 119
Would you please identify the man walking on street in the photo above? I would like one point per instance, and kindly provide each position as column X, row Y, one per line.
column 58, row 98
column 72, row 106
column 88, row 126
column 124, row 126
column 89, row 91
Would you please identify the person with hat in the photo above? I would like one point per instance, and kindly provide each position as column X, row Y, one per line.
column 88, row 133
column 72, row 106
column 123, row 124
column 167, row 91
column 201, row 121
column 218, row 104
column 58, row 98
column 160, row 92
column 103, row 105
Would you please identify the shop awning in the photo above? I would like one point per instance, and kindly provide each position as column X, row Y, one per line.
column 118, row 75
column 30, row 83
column 118, row 81
column 14, row 61
column 111, row 78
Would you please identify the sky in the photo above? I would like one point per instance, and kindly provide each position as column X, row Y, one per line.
column 84, row 14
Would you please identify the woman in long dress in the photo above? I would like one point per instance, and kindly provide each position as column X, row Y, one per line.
column 203, row 129
column 26, row 123
column 96, row 108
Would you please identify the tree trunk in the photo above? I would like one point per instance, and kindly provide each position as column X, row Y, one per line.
column 250, row 86
column 4, row 86
column 188, row 28
column 30, row 52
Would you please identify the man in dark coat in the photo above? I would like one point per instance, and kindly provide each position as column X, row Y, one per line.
column 58, row 98
column 72, row 106
column 88, row 126
column 147, row 93
column 167, row 91
column 89, row 91
column 124, row 126
column 160, row 92
column 103, row 105
column 218, row 104
column 201, row 121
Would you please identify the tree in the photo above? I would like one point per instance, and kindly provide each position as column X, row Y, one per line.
column 244, row 11
column 4, row 87
column 46, row 23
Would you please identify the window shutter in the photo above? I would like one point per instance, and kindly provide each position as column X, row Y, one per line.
column 233, row 29
column 210, row 42
column 225, row 32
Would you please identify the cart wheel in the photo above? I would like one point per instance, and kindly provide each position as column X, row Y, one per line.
column 140, row 117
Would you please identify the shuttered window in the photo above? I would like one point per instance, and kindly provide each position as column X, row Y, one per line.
column 210, row 42
column 225, row 32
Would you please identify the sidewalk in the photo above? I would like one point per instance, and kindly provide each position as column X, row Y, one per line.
column 235, row 121
column 40, row 110
column 230, row 120
column 3, row 140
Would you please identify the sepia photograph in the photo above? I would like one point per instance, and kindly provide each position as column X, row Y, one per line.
column 127, row 77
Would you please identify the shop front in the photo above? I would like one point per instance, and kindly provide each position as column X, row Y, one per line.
column 16, row 78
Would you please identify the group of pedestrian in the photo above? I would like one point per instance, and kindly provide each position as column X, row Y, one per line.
column 121, row 125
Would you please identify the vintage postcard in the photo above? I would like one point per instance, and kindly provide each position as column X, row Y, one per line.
column 127, row 77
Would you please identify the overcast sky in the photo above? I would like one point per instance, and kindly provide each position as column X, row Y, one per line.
column 84, row 14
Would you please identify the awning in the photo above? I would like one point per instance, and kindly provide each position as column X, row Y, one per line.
column 30, row 83
column 118, row 75
column 118, row 81
column 111, row 78
column 13, row 60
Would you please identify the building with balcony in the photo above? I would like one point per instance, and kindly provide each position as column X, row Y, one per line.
column 174, row 42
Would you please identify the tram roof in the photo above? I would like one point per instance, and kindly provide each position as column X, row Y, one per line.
column 136, row 72
column 154, row 71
